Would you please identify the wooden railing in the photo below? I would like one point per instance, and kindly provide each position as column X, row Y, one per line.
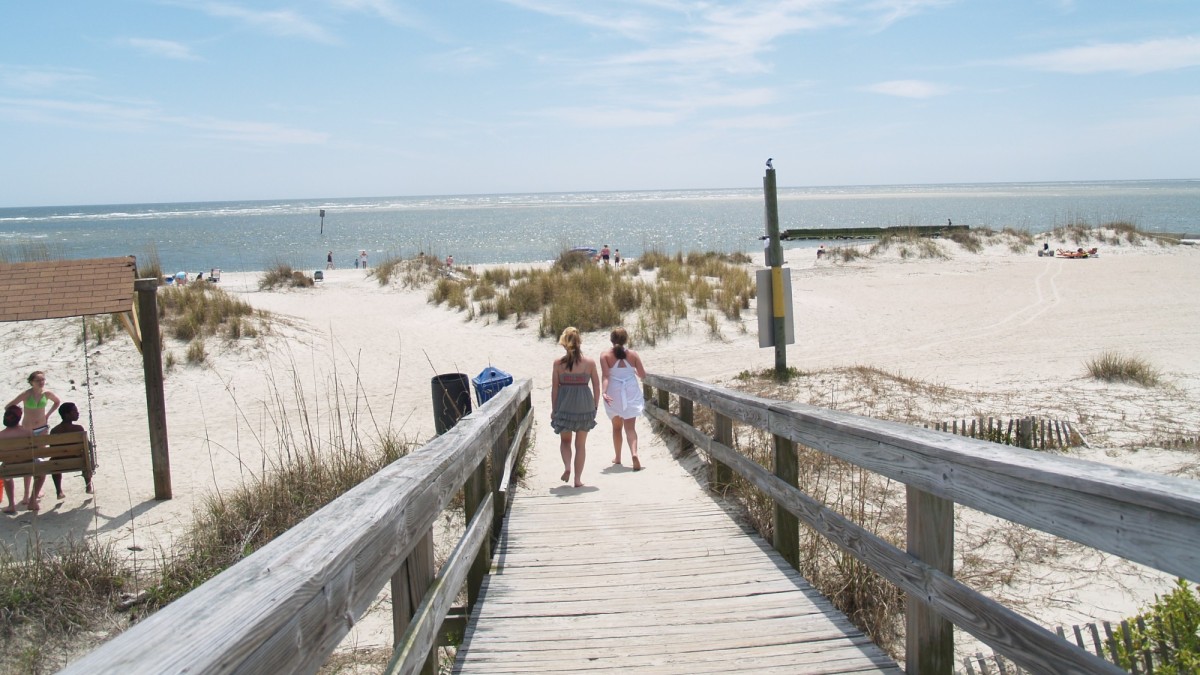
column 1148, row 518
column 287, row 606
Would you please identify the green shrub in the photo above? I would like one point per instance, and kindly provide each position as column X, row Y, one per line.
column 1168, row 630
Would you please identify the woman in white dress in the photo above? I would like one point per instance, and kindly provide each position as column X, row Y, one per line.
column 620, row 372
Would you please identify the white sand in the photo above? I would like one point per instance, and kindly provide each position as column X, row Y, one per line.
column 1011, row 331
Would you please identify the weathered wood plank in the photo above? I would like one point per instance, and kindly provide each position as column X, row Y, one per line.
column 999, row 627
column 1144, row 517
column 287, row 606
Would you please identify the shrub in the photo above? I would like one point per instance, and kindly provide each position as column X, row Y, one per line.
column 1168, row 630
column 196, row 352
column 1114, row 367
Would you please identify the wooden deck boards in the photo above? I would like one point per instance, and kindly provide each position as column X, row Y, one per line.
column 592, row 584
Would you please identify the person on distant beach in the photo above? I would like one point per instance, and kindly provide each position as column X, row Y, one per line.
column 39, row 403
column 449, row 261
column 574, row 406
column 13, row 429
column 356, row 263
column 949, row 223
column 329, row 260
column 69, row 414
column 605, row 254
column 363, row 257
column 617, row 256
column 821, row 251
column 621, row 369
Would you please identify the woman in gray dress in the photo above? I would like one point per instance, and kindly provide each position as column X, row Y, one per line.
column 575, row 397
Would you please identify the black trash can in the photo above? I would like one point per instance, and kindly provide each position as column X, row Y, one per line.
column 451, row 400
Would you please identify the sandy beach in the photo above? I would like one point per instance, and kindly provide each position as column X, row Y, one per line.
column 997, row 332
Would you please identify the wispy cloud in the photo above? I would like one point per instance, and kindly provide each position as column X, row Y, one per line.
column 283, row 22
column 161, row 48
column 907, row 88
column 148, row 117
column 385, row 9
column 23, row 78
column 611, row 117
column 1117, row 57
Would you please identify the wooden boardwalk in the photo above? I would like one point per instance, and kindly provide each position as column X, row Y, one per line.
column 589, row 581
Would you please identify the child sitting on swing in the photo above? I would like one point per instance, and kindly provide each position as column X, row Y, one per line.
column 69, row 413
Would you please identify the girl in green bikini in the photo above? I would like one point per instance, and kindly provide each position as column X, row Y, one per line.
column 39, row 404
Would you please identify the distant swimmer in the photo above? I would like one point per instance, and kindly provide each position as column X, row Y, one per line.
column 769, row 165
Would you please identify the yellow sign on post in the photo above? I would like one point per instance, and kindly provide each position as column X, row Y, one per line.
column 775, row 300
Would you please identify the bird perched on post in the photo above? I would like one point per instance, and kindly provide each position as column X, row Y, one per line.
column 769, row 166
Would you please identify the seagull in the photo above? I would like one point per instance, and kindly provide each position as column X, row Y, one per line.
column 769, row 163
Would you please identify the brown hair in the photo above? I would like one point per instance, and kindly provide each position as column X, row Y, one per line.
column 34, row 374
column 571, row 341
column 12, row 415
column 618, row 338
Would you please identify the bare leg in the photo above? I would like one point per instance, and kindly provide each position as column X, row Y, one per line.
column 564, row 448
column 631, row 436
column 580, row 455
column 33, row 504
column 616, row 435
column 10, row 491
column 58, row 486
column 25, row 499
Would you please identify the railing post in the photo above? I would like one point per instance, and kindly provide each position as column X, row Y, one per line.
column 409, row 585
column 786, row 537
column 687, row 417
column 664, row 400
column 474, row 491
column 720, row 475
column 929, row 637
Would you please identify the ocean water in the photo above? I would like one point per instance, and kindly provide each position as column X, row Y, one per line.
column 255, row 235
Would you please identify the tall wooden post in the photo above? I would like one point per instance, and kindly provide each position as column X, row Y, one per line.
column 722, row 476
column 156, row 401
column 929, row 648
column 775, row 262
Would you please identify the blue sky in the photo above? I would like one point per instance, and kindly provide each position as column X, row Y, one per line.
column 194, row 100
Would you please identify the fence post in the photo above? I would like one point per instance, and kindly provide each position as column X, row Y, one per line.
column 929, row 648
column 786, row 535
column 721, row 475
column 409, row 585
column 1025, row 433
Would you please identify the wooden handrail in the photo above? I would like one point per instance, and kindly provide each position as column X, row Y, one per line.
column 1140, row 516
column 287, row 606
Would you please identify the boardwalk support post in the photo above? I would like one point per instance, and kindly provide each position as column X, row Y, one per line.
column 720, row 474
column 409, row 585
column 929, row 638
column 786, row 535
column 474, row 492
column 686, row 416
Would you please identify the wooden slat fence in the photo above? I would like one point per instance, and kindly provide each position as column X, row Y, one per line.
column 1036, row 433
column 1103, row 640
column 1148, row 518
column 287, row 606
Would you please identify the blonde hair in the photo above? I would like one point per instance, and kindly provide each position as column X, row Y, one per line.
column 619, row 337
column 571, row 341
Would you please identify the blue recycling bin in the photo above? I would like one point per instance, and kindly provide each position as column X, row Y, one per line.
column 489, row 383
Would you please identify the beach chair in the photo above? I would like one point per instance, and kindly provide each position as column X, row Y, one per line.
column 318, row 276
column 214, row 275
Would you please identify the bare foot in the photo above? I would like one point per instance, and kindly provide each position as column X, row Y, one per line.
column 33, row 505
column 61, row 495
column 579, row 485
column 566, row 476
column 617, row 460
column 88, row 489
column 11, row 510
column 637, row 466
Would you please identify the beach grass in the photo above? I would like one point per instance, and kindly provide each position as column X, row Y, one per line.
column 1116, row 367
column 200, row 310
column 282, row 274
column 47, row 596
column 651, row 294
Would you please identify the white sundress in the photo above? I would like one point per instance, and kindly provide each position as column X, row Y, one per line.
column 625, row 391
